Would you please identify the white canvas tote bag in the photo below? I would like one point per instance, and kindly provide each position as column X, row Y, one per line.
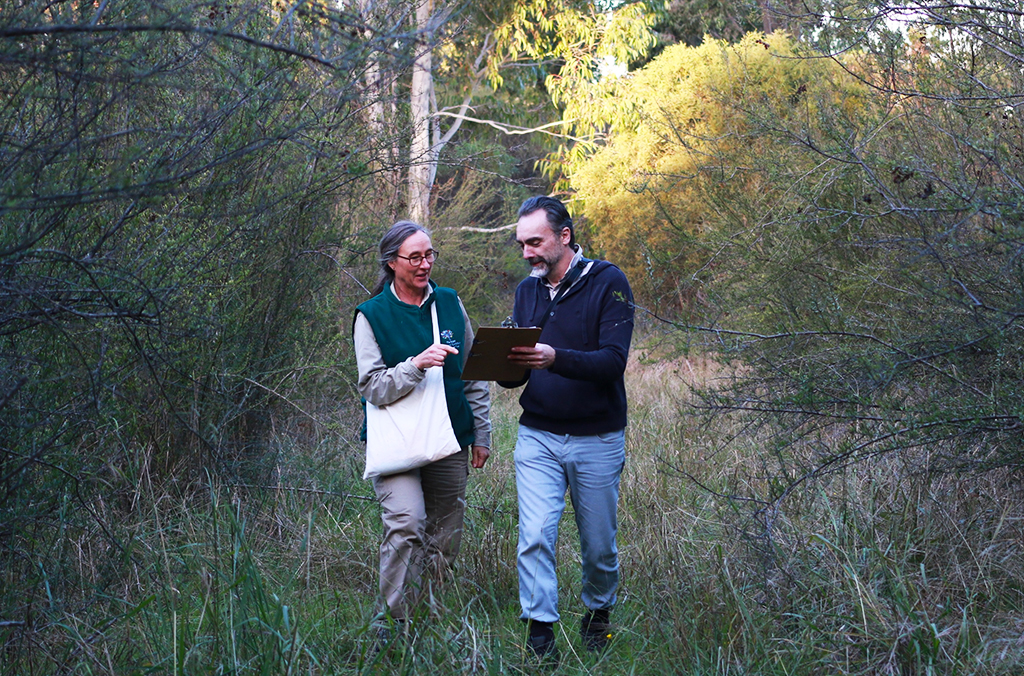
column 414, row 430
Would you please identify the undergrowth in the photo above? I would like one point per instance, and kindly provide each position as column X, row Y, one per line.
column 881, row 569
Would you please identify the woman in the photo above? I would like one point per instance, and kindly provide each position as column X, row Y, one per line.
column 422, row 509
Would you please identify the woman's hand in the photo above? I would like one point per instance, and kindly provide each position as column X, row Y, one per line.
column 480, row 455
column 433, row 356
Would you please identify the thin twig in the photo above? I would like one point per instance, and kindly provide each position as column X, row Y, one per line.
column 14, row 390
column 317, row 491
column 286, row 400
column 69, row 29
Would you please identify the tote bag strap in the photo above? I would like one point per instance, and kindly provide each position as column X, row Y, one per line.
column 433, row 322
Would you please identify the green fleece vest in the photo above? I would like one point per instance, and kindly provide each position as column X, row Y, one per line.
column 403, row 330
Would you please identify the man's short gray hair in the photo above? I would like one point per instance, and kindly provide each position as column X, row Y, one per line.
column 558, row 215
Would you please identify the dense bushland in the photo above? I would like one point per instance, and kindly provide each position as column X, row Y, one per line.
column 847, row 228
column 171, row 231
column 826, row 481
column 882, row 571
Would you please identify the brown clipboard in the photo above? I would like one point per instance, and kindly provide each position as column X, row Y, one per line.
column 488, row 358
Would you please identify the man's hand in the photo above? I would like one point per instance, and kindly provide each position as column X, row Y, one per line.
column 480, row 455
column 540, row 356
column 433, row 356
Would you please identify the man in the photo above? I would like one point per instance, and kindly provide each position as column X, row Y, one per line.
column 571, row 432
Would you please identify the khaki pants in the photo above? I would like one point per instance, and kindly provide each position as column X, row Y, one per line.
column 422, row 512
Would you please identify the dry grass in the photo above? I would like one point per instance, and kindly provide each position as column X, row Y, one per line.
column 878, row 570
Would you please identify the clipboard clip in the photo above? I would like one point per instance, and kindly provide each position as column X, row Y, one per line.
column 507, row 323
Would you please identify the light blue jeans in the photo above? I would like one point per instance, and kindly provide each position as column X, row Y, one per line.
column 590, row 467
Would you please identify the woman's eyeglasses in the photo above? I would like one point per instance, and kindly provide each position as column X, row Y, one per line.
column 416, row 260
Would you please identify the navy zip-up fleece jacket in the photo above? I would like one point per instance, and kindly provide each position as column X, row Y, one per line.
column 583, row 393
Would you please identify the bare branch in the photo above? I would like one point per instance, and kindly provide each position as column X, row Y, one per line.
column 467, row 228
column 513, row 130
column 186, row 29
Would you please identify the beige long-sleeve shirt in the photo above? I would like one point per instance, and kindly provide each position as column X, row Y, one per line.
column 381, row 385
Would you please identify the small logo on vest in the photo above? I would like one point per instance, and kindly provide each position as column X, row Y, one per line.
column 448, row 338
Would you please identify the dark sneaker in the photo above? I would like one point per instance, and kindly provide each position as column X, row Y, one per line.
column 596, row 630
column 541, row 642
column 386, row 634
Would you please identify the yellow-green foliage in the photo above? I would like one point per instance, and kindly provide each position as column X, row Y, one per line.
column 576, row 34
column 683, row 134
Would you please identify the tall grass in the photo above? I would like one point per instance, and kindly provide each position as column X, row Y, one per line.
column 879, row 570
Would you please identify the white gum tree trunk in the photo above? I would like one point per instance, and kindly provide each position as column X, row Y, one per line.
column 421, row 151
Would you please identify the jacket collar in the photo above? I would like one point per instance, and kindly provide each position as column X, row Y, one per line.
column 427, row 300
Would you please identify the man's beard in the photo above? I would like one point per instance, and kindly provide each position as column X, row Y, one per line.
column 541, row 268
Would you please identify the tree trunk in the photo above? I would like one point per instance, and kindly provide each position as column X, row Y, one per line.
column 379, row 108
column 420, row 155
column 768, row 23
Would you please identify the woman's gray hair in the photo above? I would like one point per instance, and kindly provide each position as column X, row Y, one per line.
column 390, row 243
